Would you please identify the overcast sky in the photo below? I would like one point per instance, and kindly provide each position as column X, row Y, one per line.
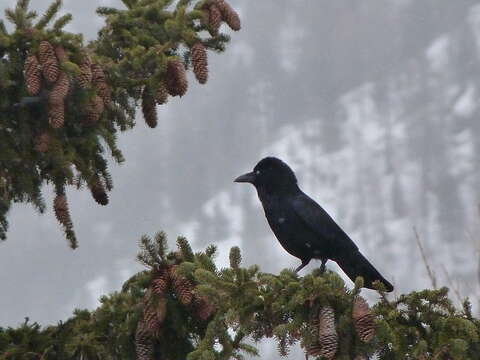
column 289, row 85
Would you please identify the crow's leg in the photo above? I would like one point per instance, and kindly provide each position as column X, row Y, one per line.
column 322, row 267
column 302, row 265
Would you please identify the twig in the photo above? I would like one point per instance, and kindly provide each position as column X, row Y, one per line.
column 431, row 275
column 452, row 285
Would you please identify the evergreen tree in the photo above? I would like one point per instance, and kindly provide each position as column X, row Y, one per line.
column 184, row 307
column 64, row 101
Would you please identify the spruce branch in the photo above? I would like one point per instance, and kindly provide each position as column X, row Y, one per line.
column 49, row 14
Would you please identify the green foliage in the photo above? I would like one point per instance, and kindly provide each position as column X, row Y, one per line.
column 132, row 49
column 248, row 304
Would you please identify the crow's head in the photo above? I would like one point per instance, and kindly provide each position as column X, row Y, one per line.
column 270, row 173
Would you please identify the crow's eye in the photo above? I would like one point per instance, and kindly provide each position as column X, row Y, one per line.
column 257, row 172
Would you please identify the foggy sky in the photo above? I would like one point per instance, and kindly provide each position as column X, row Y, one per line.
column 290, row 63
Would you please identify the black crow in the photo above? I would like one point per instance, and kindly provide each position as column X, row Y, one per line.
column 302, row 226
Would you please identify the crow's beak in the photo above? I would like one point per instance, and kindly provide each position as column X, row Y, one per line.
column 246, row 178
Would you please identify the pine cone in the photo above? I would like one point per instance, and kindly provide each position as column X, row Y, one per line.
column 99, row 81
column 46, row 52
column 50, row 70
column 103, row 90
column 361, row 357
column 60, row 206
column 161, row 95
column 94, row 111
column 200, row 62
column 41, row 142
column 32, row 75
column 84, row 79
column 202, row 308
column 160, row 282
column 214, row 19
column 363, row 319
column 59, row 90
column 56, row 114
column 182, row 287
column 149, row 108
column 98, row 75
column 327, row 335
column 61, row 54
column 229, row 15
column 314, row 348
column 177, row 83
column 143, row 343
column 99, row 193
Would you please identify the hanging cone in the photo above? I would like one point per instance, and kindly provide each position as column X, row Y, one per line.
column 84, row 79
column 202, row 307
column 177, row 83
column 60, row 207
column 200, row 62
column 94, row 111
column 314, row 348
column 160, row 282
column 99, row 82
column 327, row 335
column 41, row 142
column 50, row 70
column 99, row 193
column 46, row 52
column 182, row 287
column 143, row 343
column 56, row 114
column 149, row 108
column 61, row 54
column 229, row 15
column 161, row 95
column 214, row 19
column 32, row 74
column 363, row 319
column 60, row 89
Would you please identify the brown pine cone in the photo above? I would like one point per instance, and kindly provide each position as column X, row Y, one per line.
column 61, row 54
column 56, row 114
column 361, row 357
column 103, row 90
column 327, row 335
column 202, row 307
column 94, row 111
column 143, row 343
column 314, row 348
column 41, row 142
column 60, row 206
column 32, row 74
column 229, row 15
column 182, row 287
column 50, row 70
column 214, row 19
column 84, row 79
column 161, row 95
column 60, row 89
column 161, row 281
column 98, row 75
column 176, row 79
column 46, row 52
column 200, row 62
column 149, row 108
column 99, row 193
column 363, row 319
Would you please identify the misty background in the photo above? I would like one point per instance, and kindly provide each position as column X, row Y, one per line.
column 374, row 104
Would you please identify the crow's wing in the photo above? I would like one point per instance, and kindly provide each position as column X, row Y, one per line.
column 321, row 224
column 340, row 247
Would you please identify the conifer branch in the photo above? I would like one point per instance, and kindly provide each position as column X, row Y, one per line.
column 50, row 13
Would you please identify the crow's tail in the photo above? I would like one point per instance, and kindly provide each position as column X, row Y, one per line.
column 355, row 264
